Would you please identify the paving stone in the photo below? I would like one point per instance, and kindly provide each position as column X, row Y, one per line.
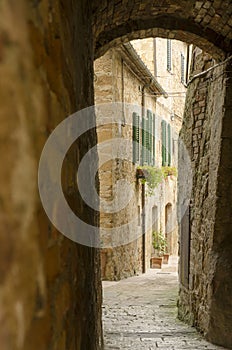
column 140, row 313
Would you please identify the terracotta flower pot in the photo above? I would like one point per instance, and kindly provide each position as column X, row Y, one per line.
column 156, row 262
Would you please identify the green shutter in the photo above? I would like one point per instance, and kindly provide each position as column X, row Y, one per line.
column 164, row 143
column 149, row 136
column 147, row 142
column 153, row 144
column 144, row 161
column 169, row 146
column 136, row 147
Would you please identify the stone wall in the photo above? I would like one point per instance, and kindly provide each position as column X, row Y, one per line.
column 221, row 304
column 50, row 294
column 122, row 260
column 204, row 300
column 153, row 52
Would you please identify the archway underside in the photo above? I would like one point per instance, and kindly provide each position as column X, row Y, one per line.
column 109, row 41
column 206, row 24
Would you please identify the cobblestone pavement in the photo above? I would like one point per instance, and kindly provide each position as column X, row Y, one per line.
column 140, row 313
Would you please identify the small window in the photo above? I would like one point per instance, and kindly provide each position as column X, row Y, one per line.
column 169, row 55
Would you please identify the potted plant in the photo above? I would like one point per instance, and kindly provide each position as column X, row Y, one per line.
column 169, row 171
column 156, row 262
column 159, row 244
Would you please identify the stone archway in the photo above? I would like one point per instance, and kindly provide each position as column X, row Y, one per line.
column 46, row 70
column 207, row 25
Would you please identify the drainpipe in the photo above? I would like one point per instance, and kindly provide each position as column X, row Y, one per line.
column 143, row 230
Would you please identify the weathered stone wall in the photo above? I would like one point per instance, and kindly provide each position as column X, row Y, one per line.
column 123, row 260
column 153, row 52
column 206, row 301
column 50, row 294
column 220, row 324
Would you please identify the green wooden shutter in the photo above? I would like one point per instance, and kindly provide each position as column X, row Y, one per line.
column 169, row 146
column 144, row 153
column 164, row 143
column 153, row 144
column 143, row 141
column 149, row 136
column 136, row 145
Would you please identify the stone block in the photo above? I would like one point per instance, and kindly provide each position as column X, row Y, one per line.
column 198, row 5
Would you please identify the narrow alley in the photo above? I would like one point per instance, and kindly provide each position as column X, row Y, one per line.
column 116, row 155
column 140, row 313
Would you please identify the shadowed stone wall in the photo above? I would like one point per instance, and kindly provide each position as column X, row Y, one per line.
column 50, row 294
column 206, row 300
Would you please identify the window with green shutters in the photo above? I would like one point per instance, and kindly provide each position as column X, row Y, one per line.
column 136, row 138
column 148, row 139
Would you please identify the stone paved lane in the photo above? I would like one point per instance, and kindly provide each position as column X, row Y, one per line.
column 140, row 313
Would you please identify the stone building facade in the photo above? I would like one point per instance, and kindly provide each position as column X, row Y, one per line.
column 133, row 75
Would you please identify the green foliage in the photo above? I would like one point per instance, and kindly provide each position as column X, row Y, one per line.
column 153, row 176
column 159, row 242
column 169, row 171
